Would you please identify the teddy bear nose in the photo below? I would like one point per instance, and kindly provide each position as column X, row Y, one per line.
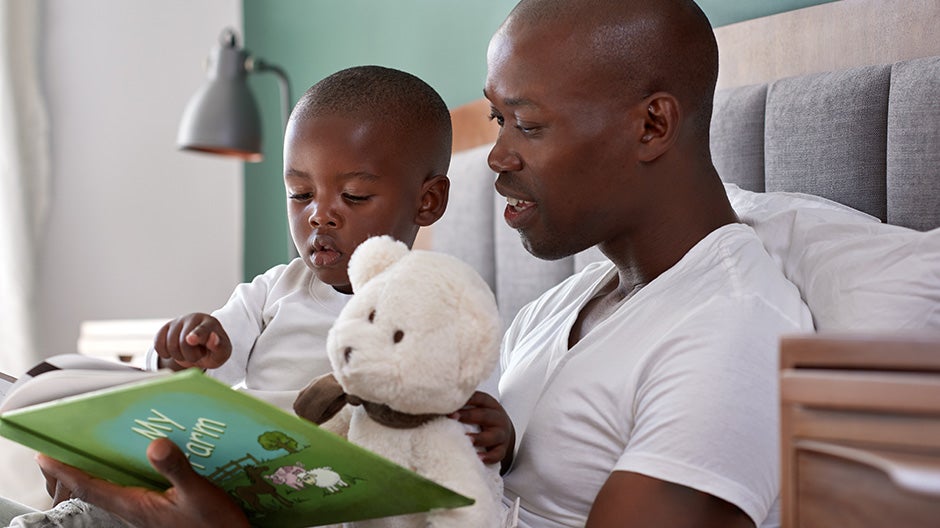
column 346, row 353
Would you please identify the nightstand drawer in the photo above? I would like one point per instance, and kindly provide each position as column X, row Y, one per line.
column 860, row 431
column 865, row 487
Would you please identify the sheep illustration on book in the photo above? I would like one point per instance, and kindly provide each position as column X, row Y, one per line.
column 324, row 478
column 297, row 477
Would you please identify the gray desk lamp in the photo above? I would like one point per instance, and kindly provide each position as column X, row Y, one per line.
column 222, row 117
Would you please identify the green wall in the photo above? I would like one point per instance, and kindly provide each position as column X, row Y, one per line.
column 441, row 41
column 723, row 12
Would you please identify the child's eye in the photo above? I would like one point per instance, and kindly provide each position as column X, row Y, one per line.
column 300, row 197
column 355, row 197
column 499, row 119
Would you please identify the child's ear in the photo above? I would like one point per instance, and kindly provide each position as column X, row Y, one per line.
column 660, row 126
column 434, row 193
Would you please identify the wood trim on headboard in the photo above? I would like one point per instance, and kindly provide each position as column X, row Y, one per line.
column 826, row 37
column 472, row 125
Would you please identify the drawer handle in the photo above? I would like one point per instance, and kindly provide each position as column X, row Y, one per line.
column 913, row 473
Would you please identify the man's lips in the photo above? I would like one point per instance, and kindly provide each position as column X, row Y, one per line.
column 518, row 212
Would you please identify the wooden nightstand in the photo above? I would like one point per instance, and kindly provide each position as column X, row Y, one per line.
column 125, row 340
column 860, row 431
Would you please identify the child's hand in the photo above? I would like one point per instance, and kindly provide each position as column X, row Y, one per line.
column 497, row 436
column 194, row 340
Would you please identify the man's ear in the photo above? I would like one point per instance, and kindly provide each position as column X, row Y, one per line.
column 660, row 126
column 434, row 193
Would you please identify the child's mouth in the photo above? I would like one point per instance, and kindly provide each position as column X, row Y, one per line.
column 324, row 253
column 326, row 257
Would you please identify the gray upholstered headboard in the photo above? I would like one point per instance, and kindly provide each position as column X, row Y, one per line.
column 866, row 137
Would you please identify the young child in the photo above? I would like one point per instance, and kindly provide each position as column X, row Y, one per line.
column 366, row 153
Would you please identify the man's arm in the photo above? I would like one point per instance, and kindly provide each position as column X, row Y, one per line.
column 630, row 499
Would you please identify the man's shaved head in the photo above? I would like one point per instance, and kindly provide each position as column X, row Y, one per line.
column 637, row 47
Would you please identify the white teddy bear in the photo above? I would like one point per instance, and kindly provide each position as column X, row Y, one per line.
column 411, row 346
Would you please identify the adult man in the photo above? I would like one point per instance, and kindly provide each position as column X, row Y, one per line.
column 642, row 390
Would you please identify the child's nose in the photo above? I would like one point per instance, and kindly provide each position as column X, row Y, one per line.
column 323, row 215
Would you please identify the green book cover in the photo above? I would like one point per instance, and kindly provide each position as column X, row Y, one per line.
column 283, row 470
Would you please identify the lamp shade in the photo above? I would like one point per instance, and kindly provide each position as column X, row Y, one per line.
column 223, row 117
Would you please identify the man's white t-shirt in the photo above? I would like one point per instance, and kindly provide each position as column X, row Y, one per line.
column 278, row 325
column 679, row 384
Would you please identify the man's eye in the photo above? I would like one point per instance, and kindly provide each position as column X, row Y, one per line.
column 499, row 119
column 527, row 129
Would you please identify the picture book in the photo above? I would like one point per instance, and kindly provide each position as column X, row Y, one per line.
column 283, row 470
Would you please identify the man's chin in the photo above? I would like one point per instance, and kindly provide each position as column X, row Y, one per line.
column 544, row 249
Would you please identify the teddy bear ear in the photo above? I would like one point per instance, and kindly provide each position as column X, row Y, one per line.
column 372, row 257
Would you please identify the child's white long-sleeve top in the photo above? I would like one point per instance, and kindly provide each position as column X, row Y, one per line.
column 278, row 325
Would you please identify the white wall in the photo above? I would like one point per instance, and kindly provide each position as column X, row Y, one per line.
column 136, row 228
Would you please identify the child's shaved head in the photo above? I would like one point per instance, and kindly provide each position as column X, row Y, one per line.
column 376, row 93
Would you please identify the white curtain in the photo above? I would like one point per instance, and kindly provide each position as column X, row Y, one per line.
column 24, row 189
column 24, row 180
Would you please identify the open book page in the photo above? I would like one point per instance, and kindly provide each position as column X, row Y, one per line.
column 66, row 375
column 60, row 384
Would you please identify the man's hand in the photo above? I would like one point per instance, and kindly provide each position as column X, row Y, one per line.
column 193, row 340
column 56, row 489
column 497, row 437
column 191, row 501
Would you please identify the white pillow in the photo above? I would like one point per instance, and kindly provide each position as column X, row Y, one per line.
column 753, row 206
column 854, row 272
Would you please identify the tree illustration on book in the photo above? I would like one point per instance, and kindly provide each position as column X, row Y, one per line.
column 274, row 440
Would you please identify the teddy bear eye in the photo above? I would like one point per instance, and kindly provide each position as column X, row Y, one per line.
column 372, row 316
column 398, row 336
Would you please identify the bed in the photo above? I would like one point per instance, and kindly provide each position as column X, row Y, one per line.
column 839, row 173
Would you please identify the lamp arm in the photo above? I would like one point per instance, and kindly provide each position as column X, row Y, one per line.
column 254, row 64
